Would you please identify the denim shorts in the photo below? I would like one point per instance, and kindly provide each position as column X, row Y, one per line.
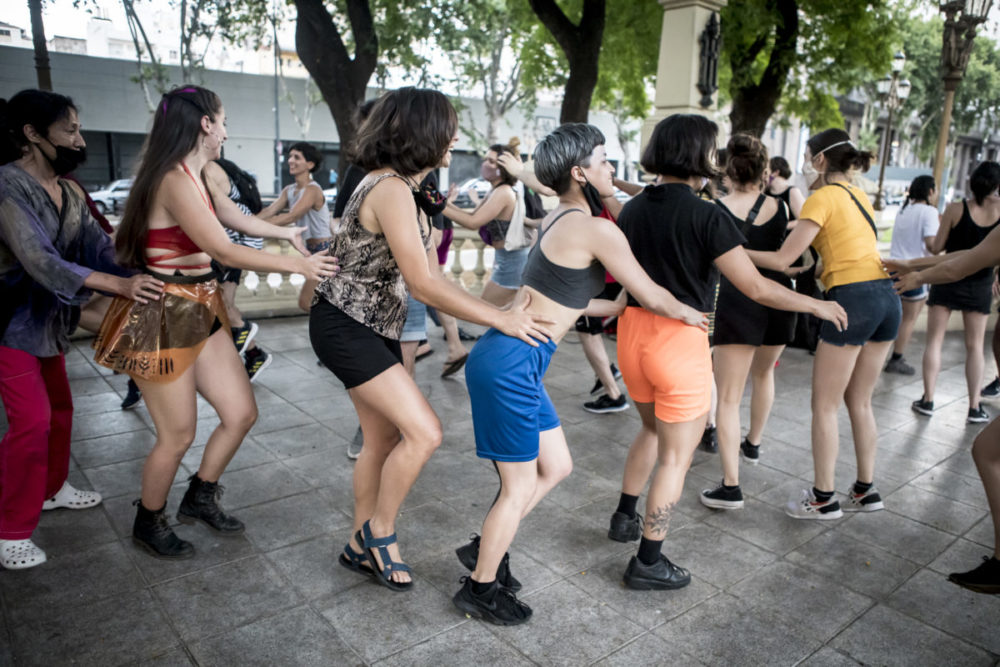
column 873, row 313
column 415, row 327
column 508, row 265
column 915, row 294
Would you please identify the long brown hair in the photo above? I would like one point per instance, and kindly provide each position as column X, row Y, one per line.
column 175, row 133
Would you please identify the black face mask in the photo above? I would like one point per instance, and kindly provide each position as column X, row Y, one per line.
column 594, row 199
column 66, row 159
column 429, row 201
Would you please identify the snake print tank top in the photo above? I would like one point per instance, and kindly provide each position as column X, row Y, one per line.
column 369, row 287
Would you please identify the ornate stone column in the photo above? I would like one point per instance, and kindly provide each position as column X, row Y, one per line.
column 681, row 67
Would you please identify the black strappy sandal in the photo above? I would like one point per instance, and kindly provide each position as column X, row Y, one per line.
column 384, row 577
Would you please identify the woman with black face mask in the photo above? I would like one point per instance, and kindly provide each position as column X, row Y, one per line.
column 52, row 254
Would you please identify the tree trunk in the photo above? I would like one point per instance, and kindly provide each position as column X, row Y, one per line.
column 582, row 46
column 41, row 48
column 341, row 80
column 755, row 102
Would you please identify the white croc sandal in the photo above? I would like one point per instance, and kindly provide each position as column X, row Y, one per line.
column 20, row 554
column 71, row 498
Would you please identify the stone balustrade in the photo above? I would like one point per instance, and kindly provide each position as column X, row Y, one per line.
column 276, row 294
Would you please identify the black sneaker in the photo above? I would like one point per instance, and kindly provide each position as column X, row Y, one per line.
column 605, row 403
column 465, row 335
column 983, row 579
column 923, row 407
column 468, row 554
column 978, row 416
column 900, row 366
column 625, row 528
column 499, row 605
column 709, row 440
column 749, row 453
column 722, row 497
column 133, row 396
column 243, row 335
column 660, row 576
column 599, row 386
column 992, row 390
column 256, row 361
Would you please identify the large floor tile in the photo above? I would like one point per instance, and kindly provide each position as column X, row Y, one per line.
column 295, row 637
column 224, row 597
column 727, row 630
column 884, row 636
column 931, row 598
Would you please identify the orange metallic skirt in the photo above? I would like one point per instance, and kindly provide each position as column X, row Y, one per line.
column 159, row 340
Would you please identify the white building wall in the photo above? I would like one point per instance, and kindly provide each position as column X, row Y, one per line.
column 110, row 101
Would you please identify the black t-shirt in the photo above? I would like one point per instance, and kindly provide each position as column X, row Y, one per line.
column 676, row 237
column 348, row 184
column 431, row 181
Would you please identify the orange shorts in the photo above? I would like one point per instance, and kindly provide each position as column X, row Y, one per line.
column 665, row 362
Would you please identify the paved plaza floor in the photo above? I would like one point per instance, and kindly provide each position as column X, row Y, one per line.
column 766, row 589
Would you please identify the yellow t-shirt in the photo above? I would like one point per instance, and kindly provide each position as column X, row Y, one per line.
column 845, row 241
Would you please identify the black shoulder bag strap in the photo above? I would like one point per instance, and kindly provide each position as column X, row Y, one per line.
column 861, row 208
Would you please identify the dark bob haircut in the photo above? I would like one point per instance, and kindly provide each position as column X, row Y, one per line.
column 682, row 146
column 38, row 108
column 780, row 166
column 568, row 146
column 408, row 130
column 841, row 155
column 985, row 179
column 310, row 153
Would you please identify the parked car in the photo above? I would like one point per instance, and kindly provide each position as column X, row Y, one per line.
column 481, row 186
column 111, row 199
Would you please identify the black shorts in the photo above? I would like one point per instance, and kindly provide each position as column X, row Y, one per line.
column 966, row 295
column 741, row 321
column 226, row 274
column 595, row 325
column 351, row 350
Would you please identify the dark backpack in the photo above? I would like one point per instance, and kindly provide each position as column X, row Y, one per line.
column 245, row 185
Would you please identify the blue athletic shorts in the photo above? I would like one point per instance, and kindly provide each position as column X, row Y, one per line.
column 510, row 406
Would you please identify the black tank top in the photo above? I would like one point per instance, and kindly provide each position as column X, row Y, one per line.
column 766, row 237
column 573, row 288
column 967, row 234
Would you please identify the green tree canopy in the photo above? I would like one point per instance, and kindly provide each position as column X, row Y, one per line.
column 796, row 56
column 977, row 100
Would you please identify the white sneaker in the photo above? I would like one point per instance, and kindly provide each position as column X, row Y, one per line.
column 20, row 554
column 870, row 501
column 807, row 507
column 71, row 498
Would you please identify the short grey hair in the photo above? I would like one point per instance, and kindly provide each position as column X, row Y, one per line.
column 567, row 146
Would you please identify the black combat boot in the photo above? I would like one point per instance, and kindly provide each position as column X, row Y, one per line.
column 152, row 532
column 201, row 503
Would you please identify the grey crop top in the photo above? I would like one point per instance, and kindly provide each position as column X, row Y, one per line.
column 573, row 288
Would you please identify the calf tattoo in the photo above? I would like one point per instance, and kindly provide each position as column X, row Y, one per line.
column 659, row 518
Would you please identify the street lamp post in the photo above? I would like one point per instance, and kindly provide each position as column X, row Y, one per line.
column 892, row 92
column 961, row 19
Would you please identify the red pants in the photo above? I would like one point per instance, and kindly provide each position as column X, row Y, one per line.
column 34, row 453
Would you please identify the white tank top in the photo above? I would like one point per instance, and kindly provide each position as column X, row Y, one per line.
column 317, row 223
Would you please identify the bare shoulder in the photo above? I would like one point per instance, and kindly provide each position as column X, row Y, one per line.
column 952, row 212
column 215, row 175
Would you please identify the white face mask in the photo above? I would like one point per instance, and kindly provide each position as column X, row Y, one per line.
column 809, row 171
